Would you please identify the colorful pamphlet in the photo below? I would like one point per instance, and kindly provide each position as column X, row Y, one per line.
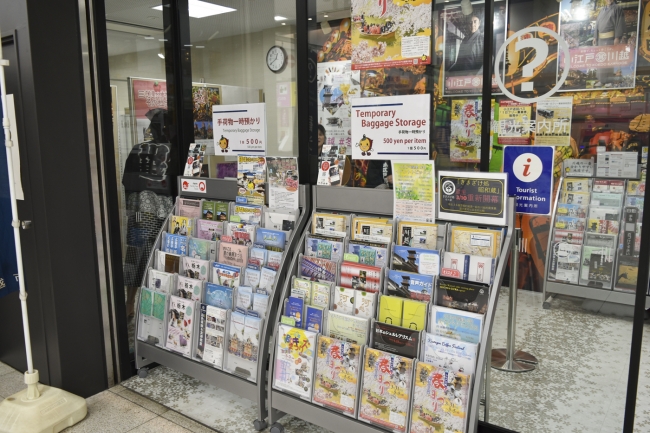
column 198, row 269
column 361, row 277
column 365, row 304
column 329, row 224
column 369, row 253
column 343, row 300
column 317, row 269
column 409, row 285
column 294, row 361
column 251, row 179
column 462, row 295
column 215, row 210
column 175, row 244
column 168, row 262
column 189, row 288
column 188, row 207
column 386, row 389
column 209, row 230
column 417, row 234
column 233, row 254
column 202, row 249
column 347, row 328
column 283, row 182
column 396, row 339
column 219, row 296
column 416, row 260
column 160, row 281
column 475, row 241
column 324, row 247
column 212, row 332
column 180, row 325
column 271, row 239
column 456, row 324
column 453, row 355
column 180, row 225
column 226, row 275
column 338, row 366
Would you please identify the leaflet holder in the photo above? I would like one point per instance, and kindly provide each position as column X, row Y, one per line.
column 145, row 354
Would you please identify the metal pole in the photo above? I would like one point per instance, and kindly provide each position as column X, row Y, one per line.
column 508, row 359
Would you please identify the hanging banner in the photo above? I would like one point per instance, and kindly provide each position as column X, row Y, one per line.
column 465, row 138
column 553, row 124
column 478, row 198
column 530, row 177
column 204, row 96
column 602, row 39
column 414, row 190
column 463, row 47
column 391, row 127
column 390, row 33
column 239, row 129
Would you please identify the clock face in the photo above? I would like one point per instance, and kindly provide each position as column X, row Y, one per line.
column 276, row 59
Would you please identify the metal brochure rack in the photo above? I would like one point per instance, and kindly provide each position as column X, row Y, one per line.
column 146, row 354
column 552, row 288
column 378, row 202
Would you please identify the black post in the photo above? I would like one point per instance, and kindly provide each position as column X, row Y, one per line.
column 178, row 67
column 486, row 102
column 637, row 327
column 306, row 87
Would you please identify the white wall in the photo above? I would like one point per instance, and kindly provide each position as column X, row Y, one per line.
column 235, row 61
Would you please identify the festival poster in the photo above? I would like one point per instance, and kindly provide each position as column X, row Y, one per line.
column 331, row 40
column 337, row 84
column 146, row 94
column 463, row 47
column 390, row 33
column 515, row 124
column 465, row 138
column 602, row 40
column 414, row 190
column 391, row 127
column 553, row 122
column 204, row 96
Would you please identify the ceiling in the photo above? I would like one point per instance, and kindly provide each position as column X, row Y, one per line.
column 129, row 22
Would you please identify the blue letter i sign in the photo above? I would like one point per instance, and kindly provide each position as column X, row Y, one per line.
column 530, row 177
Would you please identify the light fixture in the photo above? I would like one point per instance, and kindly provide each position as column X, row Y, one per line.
column 149, row 37
column 200, row 46
column 162, row 40
column 309, row 19
column 161, row 55
column 466, row 7
column 201, row 9
column 188, row 45
column 284, row 24
column 325, row 16
column 279, row 18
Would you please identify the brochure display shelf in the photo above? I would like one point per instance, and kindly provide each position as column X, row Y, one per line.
column 145, row 354
column 376, row 202
column 551, row 287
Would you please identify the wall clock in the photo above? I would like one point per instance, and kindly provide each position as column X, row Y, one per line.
column 276, row 59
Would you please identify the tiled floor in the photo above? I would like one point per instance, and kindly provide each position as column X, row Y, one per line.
column 579, row 386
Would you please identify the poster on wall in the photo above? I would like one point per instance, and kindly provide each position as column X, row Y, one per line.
column 331, row 40
column 465, row 137
column 390, row 33
column 146, row 94
column 463, row 43
column 391, row 127
column 337, row 85
column 553, row 122
column 514, row 123
column 239, row 129
column 414, row 190
column 205, row 96
column 602, row 40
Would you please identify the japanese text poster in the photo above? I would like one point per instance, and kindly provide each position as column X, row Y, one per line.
column 147, row 94
column 251, row 179
column 391, row 127
column 239, row 129
column 602, row 40
column 414, row 190
column 336, row 87
column 282, row 182
column 465, row 138
column 553, row 123
column 390, row 33
column 515, row 124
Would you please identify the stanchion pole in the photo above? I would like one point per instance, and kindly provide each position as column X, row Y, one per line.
column 508, row 359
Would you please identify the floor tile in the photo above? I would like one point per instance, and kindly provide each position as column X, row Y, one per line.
column 11, row 383
column 188, row 423
column 158, row 425
column 4, row 369
column 117, row 389
column 143, row 402
column 108, row 412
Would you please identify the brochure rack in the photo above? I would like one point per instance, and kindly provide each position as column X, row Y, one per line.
column 146, row 354
column 552, row 288
column 377, row 202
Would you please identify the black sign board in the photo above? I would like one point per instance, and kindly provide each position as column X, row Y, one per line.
column 473, row 197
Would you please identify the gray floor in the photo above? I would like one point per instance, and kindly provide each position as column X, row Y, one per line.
column 579, row 386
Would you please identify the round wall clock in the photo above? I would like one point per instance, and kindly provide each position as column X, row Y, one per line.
column 276, row 59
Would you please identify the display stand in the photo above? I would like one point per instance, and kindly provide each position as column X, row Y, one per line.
column 145, row 354
column 552, row 288
column 376, row 202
